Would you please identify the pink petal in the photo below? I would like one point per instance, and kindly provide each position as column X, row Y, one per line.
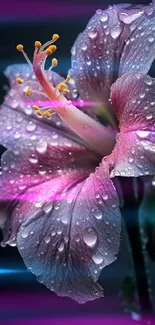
column 70, row 232
column 133, row 97
column 97, row 51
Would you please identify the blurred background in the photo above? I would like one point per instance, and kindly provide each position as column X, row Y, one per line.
column 22, row 299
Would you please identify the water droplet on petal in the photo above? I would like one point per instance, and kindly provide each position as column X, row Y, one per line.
column 92, row 34
column 65, row 218
column 98, row 215
column 48, row 207
column 115, row 31
column 97, row 258
column 47, row 239
column 104, row 17
column 90, row 237
column 61, row 247
column 84, row 47
column 41, row 146
column 151, row 38
column 33, row 160
column 31, row 126
column 142, row 134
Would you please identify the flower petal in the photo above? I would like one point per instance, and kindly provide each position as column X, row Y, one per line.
column 71, row 232
column 139, row 51
column 97, row 50
column 133, row 97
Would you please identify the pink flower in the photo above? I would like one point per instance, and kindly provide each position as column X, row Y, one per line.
column 58, row 202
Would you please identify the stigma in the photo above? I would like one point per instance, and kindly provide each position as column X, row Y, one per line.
column 88, row 129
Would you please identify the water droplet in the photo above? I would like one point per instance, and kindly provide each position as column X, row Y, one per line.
column 115, row 31
column 127, row 18
column 61, row 247
column 104, row 18
column 65, row 218
column 84, row 47
column 31, row 126
column 28, row 110
column 105, row 197
column 33, row 160
column 48, row 207
column 90, row 237
column 151, row 38
column 25, row 233
column 98, row 215
column 88, row 62
column 92, row 34
column 97, row 258
column 143, row 134
column 17, row 135
column 41, row 146
column 47, row 239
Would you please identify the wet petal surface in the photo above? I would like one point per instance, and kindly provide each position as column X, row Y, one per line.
column 97, row 51
column 133, row 97
column 71, row 232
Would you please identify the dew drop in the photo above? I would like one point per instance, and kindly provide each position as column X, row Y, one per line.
column 104, row 18
column 97, row 258
column 48, row 207
column 47, row 239
column 84, row 47
column 61, row 247
column 92, row 34
column 150, row 39
column 90, row 237
column 33, row 160
column 31, row 126
column 65, row 219
column 115, row 31
column 98, row 215
column 41, row 146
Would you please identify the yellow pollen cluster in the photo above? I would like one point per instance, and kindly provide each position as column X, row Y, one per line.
column 54, row 62
column 19, row 80
column 51, row 49
column 20, row 47
column 28, row 91
column 55, row 37
column 37, row 44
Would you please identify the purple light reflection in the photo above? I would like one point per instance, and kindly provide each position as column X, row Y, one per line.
column 48, row 309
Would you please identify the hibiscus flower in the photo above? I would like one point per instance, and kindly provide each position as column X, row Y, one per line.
column 58, row 200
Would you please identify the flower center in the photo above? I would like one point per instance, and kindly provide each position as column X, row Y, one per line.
column 98, row 137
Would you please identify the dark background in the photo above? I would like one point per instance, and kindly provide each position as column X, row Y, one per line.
column 24, row 22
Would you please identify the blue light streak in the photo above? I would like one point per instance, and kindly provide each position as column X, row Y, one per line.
column 11, row 271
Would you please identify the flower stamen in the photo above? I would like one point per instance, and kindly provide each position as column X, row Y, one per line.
column 91, row 131
column 20, row 48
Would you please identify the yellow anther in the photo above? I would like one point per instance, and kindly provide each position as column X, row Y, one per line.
column 39, row 113
column 37, row 44
column 55, row 37
column 49, row 51
column 36, row 107
column 68, row 78
column 19, row 47
column 47, row 114
column 28, row 91
column 54, row 62
column 53, row 48
column 66, row 91
column 61, row 86
column 19, row 80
